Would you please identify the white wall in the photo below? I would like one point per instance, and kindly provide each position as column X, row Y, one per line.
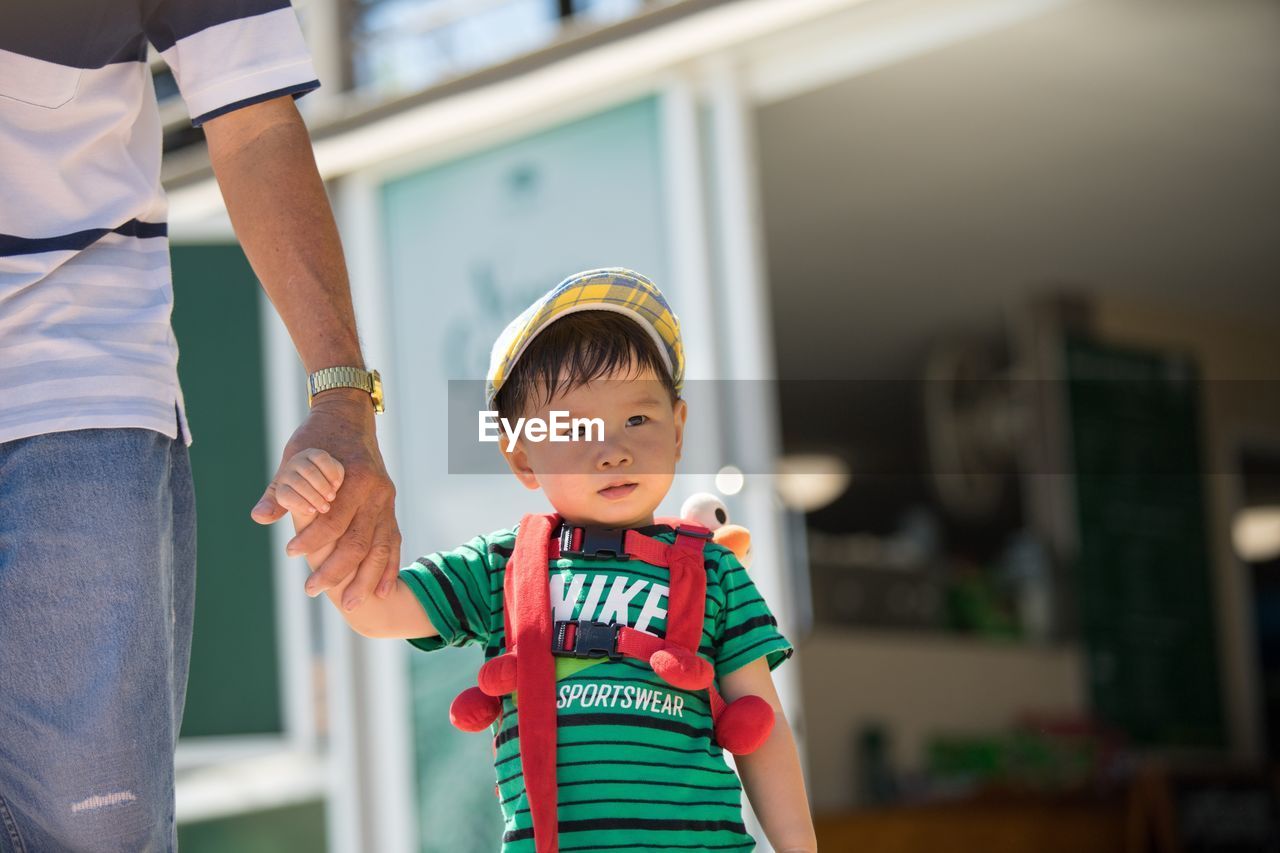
column 917, row 687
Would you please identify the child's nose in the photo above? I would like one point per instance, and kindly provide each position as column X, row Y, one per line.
column 612, row 455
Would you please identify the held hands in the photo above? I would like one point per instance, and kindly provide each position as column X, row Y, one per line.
column 306, row 486
column 359, row 525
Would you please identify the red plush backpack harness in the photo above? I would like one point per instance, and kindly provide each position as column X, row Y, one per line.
column 740, row 726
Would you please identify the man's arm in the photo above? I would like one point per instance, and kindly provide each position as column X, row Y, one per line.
column 771, row 775
column 262, row 158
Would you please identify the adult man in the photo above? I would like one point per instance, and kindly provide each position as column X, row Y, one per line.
column 96, row 510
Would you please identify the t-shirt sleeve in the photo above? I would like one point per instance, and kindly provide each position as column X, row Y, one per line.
column 453, row 587
column 746, row 630
column 228, row 54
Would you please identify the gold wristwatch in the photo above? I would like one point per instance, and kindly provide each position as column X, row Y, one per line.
column 346, row 377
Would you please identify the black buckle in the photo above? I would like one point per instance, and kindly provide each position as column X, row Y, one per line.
column 696, row 534
column 590, row 640
column 598, row 543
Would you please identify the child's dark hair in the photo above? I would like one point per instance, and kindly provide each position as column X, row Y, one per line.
column 583, row 346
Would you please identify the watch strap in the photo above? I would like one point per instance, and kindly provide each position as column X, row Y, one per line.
column 329, row 378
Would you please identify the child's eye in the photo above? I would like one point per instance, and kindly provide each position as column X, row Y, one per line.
column 636, row 420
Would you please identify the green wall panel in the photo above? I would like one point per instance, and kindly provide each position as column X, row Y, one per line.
column 234, row 683
column 294, row 829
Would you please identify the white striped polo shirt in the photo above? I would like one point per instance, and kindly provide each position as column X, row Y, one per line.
column 85, row 286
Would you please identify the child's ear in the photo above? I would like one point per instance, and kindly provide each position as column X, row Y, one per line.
column 680, row 412
column 518, row 462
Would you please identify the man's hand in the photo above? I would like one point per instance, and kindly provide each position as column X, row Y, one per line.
column 362, row 518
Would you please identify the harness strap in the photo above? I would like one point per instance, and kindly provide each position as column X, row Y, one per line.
column 527, row 618
column 687, row 596
column 630, row 643
column 635, row 544
column 639, row 645
column 527, row 595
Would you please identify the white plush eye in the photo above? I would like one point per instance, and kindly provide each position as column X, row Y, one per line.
column 705, row 509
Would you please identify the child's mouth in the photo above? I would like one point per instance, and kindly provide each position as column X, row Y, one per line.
column 617, row 492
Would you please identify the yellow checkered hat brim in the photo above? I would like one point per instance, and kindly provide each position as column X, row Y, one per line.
column 611, row 289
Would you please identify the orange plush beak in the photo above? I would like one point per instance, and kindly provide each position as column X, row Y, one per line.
column 737, row 539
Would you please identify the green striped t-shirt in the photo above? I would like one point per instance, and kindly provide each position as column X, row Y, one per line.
column 637, row 765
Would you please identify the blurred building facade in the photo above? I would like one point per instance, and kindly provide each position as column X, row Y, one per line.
column 1002, row 270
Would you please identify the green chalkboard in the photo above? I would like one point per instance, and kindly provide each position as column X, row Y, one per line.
column 234, row 683
column 1142, row 568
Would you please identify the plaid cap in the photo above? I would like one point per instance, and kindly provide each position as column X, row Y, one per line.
column 610, row 289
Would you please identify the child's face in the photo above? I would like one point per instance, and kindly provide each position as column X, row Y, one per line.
column 617, row 482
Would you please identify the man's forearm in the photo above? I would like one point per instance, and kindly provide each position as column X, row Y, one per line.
column 262, row 157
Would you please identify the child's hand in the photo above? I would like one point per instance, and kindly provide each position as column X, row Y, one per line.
column 308, row 482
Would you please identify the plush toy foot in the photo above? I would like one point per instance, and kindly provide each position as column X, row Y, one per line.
column 744, row 725
column 498, row 676
column 473, row 711
column 682, row 668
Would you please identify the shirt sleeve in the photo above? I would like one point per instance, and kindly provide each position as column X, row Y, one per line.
column 453, row 587
column 746, row 630
column 228, row 54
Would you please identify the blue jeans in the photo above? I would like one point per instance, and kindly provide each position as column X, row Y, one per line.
column 97, row 586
